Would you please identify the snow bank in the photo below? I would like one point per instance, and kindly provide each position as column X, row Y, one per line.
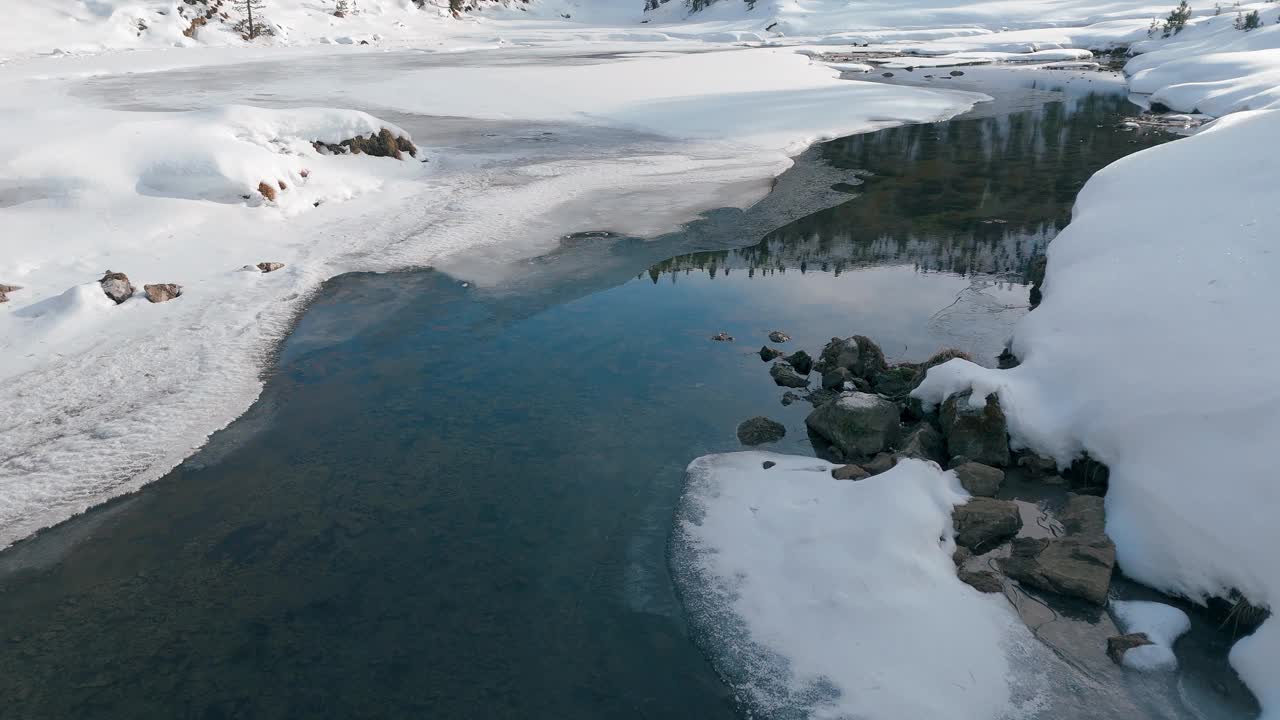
column 841, row 597
column 1152, row 352
column 1162, row 624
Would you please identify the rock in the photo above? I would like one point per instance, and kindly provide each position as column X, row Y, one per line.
column 789, row 397
column 1087, row 475
column 924, row 442
column 722, row 337
column 760, row 430
column 801, row 361
column 896, row 382
column 835, row 379
column 786, row 376
column 882, row 462
column 983, row 523
column 1007, row 360
column 982, row 580
column 778, row 336
column 978, row 479
column 267, row 267
column 1078, row 567
column 1037, row 466
column 767, row 353
column 980, row 434
column 1084, row 516
column 767, row 464
column 858, row 354
column 857, row 423
column 116, row 286
column 6, row 289
column 961, row 555
column 850, row 472
column 956, row 73
column 384, row 144
column 1035, row 276
column 162, row 292
column 1118, row 645
column 818, row 398
column 861, row 385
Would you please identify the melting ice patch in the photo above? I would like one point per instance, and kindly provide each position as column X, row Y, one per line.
column 824, row 598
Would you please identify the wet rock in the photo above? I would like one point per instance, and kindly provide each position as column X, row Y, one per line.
column 857, row 423
column 861, row 385
column 961, row 555
column 779, row 337
column 789, row 397
column 267, row 267
column 722, row 337
column 818, row 398
column 767, row 353
column 978, row 479
column 980, row 434
column 923, row 442
column 1077, row 567
column 860, row 355
column 162, row 292
column 882, row 462
column 1037, row 466
column 760, row 430
column 116, row 286
column 801, row 361
column 896, row 382
column 985, row 581
column 850, row 472
column 786, row 376
column 1118, row 645
column 1084, row 515
column 983, row 523
column 835, row 379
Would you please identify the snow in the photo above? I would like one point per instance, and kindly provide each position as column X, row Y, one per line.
column 1150, row 353
column 1162, row 624
column 841, row 597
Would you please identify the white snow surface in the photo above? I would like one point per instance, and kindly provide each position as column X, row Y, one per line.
column 1151, row 352
column 842, row 596
column 1163, row 625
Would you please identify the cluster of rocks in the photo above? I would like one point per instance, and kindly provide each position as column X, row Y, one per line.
column 5, row 290
column 382, row 144
column 117, row 286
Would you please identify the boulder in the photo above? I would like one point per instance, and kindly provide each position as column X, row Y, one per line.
column 116, row 286
column 857, row 423
column 801, row 361
column 980, row 434
column 896, row 382
column 835, row 379
column 1084, row 516
column 1077, row 567
column 924, row 442
column 983, row 523
column 980, row 480
column 767, row 353
column 267, row 267
column 786, row 376
column 859, row 354
column 882, row 462
column 1118, row 645
column 760, row 430
column 767, row 464
column 982, row 580
column 778, row 336
column 850, row 472
column 162, row 292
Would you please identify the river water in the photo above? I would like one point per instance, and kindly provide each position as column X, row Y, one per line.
column 455, row 500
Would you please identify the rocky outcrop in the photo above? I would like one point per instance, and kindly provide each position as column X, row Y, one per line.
column 779, row 337
column 767, row 353
column 923, row 442
column 116, row 286
column 980, row 434
column 860, row 355
column 162, row 292
column 983, row 523
column 267, row 267
column 980, row 480
column 786, row 376
column 1076, row 567
column 760, row 430
column 1118, row 645
column 850, row 472
column 383, row 144
column 858, row 424
column 801, row 361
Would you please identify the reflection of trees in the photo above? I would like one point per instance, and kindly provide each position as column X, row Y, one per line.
column 977, row 195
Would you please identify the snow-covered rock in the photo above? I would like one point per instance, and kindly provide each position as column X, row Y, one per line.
column 1161, row 624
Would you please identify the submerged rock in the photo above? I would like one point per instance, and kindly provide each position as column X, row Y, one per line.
column 722, row 337
column 1118, row 645
column 980, row 434
column 983, row 523
column 779, row 337
column 759, row 430
column 860, row 355
column 786, row 376
column 924, row 442
column 857, row 423
column 1077, row 567
column 850, row 472
column 116, row 286
column 789, row 397
column 978, row 479
column 162, row 292
column 767, row 353
column 267, row 267
column 801, row 361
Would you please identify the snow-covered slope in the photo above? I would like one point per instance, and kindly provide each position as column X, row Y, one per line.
column 1155, row 351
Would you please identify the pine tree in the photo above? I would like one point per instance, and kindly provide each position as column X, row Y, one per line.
column 1252, row 21
column 253, row 25
column 342, row 9
column 1177, row 19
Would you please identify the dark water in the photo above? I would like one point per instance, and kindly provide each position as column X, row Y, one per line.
column 455, row 502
